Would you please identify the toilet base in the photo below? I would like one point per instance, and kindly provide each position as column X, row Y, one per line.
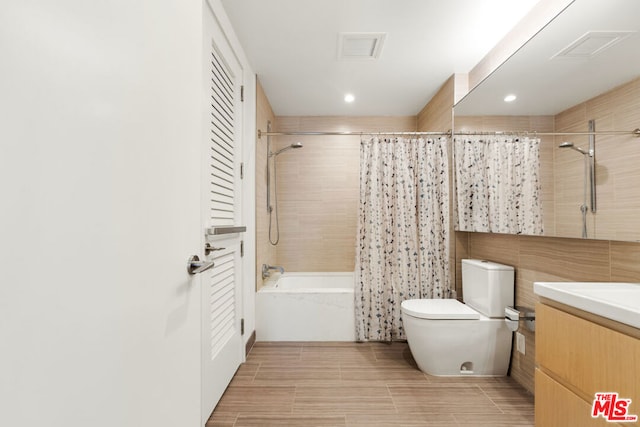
column 459, row 347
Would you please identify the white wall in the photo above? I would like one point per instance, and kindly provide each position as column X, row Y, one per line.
column 100, row 133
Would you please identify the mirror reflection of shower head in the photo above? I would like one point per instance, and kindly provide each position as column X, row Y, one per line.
column 573, row 147
column 289, row 147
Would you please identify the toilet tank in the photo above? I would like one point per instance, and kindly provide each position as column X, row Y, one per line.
column 487, row 287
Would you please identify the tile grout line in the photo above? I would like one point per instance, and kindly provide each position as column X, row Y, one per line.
column 490, row 399
column 253, row 380
column 393, row 401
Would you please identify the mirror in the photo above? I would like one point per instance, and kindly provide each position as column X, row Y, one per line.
column 584, row 65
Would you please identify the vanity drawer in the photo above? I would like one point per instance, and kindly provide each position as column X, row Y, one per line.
column 587, row 357
column 558, row 407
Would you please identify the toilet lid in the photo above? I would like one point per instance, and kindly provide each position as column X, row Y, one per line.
column 438, row 309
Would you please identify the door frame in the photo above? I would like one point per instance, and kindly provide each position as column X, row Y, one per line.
column 247, row 135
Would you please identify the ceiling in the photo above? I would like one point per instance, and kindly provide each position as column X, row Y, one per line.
column 292, row 46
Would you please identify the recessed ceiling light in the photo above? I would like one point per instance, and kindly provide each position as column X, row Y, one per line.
column 510, row 98
column 349, row 98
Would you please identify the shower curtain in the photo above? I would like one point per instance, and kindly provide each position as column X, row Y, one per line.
column 403, row 231
column 498, row 185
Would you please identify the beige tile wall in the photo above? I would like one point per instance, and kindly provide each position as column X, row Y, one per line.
column 265, row 253
column 437, row 114
column 318, row 190
column 617, row 171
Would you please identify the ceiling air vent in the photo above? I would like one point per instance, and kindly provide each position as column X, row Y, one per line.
column 592, row 43
column 360, row 45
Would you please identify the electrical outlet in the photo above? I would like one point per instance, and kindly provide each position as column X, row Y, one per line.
column 520, row 342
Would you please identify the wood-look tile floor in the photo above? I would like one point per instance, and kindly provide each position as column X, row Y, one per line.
column 361, row 384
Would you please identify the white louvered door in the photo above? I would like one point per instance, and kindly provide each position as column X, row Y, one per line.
column 222, row 349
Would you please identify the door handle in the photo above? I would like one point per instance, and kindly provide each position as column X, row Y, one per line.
column 195, row 266
column 216, row 231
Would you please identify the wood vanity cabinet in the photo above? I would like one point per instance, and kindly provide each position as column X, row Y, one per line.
column 576, row 358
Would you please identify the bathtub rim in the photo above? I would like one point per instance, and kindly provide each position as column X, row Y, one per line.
column 269, row 285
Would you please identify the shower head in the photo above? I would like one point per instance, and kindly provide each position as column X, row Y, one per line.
column 289, row 147
column 573, row 147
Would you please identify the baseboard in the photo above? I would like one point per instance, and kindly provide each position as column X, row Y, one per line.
column 250, row 342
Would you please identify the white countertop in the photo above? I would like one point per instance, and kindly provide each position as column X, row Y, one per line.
column 612, row 300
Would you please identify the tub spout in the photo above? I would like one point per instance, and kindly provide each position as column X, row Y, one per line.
column 266, row 270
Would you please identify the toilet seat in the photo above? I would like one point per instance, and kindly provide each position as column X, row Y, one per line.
column 439, row 309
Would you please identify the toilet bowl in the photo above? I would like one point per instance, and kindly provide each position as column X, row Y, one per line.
column 449, row 338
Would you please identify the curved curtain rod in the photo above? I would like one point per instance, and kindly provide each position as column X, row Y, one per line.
column 635, row 132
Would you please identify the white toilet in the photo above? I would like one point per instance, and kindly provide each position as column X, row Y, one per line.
column 449, row 338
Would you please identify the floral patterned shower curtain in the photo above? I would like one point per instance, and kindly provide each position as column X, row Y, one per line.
column 498, row 185
column 403, row 231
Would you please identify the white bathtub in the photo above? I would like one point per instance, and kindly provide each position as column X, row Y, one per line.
column 306, row 307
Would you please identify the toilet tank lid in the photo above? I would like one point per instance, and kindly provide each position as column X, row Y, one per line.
column 438, row 309
column 487, row 265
